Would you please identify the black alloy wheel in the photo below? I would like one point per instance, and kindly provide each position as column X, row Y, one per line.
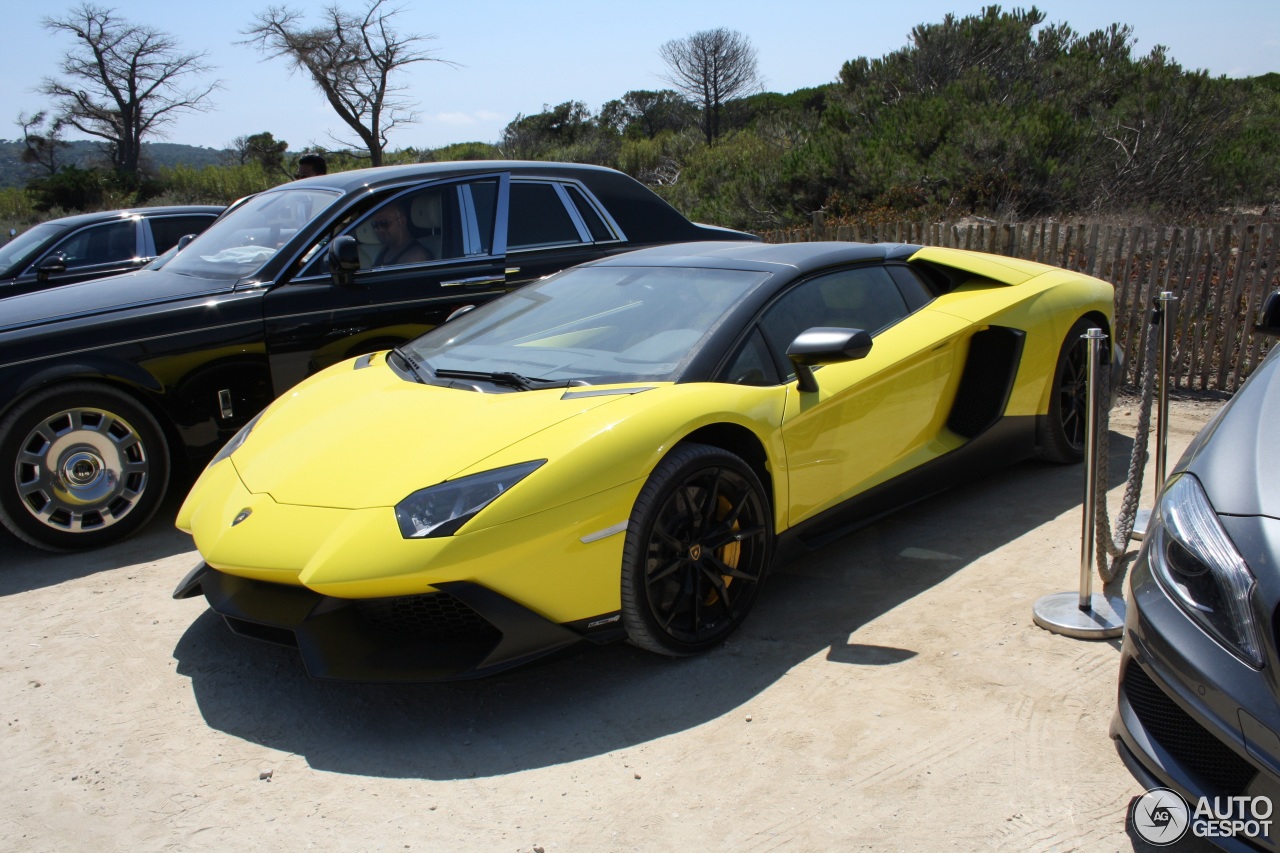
column 1062, row 433
column 698, row 546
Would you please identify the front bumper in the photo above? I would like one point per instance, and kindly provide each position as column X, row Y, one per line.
column 462, row 630
column 1189, row 715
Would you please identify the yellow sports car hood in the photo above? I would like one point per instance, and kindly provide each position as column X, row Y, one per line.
column 357, row 438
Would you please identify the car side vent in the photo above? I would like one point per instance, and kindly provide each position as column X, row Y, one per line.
column 987, row 382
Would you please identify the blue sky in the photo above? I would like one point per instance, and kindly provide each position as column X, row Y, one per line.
column 515, row 57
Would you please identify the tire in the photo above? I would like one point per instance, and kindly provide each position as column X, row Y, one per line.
column 698, row 545
column 81, row 465
column 1061, row 434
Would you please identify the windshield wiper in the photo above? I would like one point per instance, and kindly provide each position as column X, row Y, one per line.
column 409, row 362
column 509, row 379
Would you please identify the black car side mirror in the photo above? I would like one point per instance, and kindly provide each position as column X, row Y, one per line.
column 344, row 260
column 825, row 345
column 184, row 240
column 1269, row 320
column 52, row 265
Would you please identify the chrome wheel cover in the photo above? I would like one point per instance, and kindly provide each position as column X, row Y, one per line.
column 81, row 469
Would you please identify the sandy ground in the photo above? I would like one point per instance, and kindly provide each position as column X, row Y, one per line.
column 891, row 692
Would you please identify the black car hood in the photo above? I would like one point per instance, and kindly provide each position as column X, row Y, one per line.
column 1235, row 455
column 102, row 295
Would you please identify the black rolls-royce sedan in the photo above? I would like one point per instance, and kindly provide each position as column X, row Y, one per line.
column 95, row 245
column 111, row 388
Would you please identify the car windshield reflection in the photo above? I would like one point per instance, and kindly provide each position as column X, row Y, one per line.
column 238, row 244
column 595, row 324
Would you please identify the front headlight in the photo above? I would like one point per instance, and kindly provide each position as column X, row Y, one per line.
column 440, row 510
column 236, row 440
column 1199, row 566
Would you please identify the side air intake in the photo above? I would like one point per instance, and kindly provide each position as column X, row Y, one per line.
column 987, row 381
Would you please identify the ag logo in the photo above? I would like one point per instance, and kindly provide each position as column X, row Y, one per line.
column 1160, row 816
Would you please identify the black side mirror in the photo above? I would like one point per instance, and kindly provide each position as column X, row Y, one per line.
column 825, row 345
column 52, row 265
column 344, row 260
column 184, row 240
column 1269, row 320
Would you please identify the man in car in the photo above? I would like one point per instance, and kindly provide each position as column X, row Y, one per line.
column 398, row 245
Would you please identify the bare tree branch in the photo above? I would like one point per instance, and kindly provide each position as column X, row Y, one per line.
column 123, row 82
column 351, row 58
column 41, row 145
column 710, row 68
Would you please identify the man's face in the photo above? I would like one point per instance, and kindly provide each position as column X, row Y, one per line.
column 389, row 225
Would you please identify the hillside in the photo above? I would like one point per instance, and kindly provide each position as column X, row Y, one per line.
column 83, row 153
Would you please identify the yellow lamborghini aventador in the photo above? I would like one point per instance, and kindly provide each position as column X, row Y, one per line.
column 623, row 449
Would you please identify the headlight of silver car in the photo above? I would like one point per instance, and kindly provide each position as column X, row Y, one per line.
column 1199, row 566
column 440, row 510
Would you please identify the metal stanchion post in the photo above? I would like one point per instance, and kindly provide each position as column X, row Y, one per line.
column 1085, row 615
column 1143, row 516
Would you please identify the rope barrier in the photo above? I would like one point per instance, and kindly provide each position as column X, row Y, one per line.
column 1113, row 555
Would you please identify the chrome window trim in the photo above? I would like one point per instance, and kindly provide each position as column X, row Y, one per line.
column 472, row 244
column 600, row 210
column 584, row 232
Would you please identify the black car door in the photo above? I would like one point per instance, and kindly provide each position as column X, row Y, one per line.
column 454, row 256
column 95, row 251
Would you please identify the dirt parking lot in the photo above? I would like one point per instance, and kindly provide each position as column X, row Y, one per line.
column 890, row 692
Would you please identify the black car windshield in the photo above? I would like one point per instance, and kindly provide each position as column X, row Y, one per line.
column 594, row 324
column 239, row 243
column 18, row 250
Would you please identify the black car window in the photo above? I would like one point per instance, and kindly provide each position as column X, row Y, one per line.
column 99, row 244
column 913, row 289
column 166, row 231
column 432, row 224
column 17, row 250
column 405, row 230
column 752, row 365
column 538, row 217
column 860, row 298
column 600, row 232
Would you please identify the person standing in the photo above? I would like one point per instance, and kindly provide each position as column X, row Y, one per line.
column 310, row 165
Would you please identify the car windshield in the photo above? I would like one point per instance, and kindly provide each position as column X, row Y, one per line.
column 593, row 324
column 19, row 248
column 240, row 242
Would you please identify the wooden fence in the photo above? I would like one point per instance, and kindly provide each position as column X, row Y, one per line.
column 1220, row 276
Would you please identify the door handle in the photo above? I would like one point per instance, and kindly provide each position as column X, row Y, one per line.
column 482, row 279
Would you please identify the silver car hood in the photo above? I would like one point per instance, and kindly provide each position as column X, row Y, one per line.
column 1237, row 455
